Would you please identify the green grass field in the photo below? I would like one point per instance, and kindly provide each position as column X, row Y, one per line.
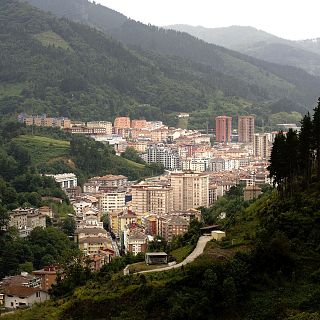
column 11, row 90
column 50, row 38
column 43, row 149
column 181, row 253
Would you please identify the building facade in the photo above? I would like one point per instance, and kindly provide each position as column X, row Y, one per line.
column 190, row 190
column 152, row 199
column 223, row 129
column 261, row 146
column 246, row 129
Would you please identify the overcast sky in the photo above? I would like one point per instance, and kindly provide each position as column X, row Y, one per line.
column 295, row 19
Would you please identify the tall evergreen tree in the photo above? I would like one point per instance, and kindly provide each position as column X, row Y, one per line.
column 291, row 157
column 316, row 135
column 278, row 166
column 305, row 148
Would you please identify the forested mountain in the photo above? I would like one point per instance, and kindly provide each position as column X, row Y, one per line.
column 238, row 38
column 233, row 73
column 260, row 44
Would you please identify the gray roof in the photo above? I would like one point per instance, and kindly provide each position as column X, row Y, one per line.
column 156, row 254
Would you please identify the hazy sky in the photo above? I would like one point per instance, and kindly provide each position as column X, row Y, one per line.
column 295, row 19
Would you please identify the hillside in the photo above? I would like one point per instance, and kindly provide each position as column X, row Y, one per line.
column 80, row 155
column 270, row 272
column 261, row 45
column 236, row 74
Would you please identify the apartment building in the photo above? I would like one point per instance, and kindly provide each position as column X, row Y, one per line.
column 159, row 153
column 47, row 276
column 110, row 181
column 122, row 123
column 246, row 129
column 101, row 124
column 44, row 121
column 174, row 226
column 190, row 190
column 139, row 124
column 261, row 147
column 159, row 135
column 66, row 180
column 223, row 129
column 135, row 239
column 111, row 201
column 151, row 198
column 26, row 219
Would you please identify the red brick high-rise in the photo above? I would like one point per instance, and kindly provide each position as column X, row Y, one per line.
column 246, row 129
column 223, row 129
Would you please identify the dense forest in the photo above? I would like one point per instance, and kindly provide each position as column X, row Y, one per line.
column 63, row 68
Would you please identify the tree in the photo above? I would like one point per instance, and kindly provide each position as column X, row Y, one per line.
column 305, row 148
column 278, row 165
column 316, row 135
column 68, row 226
column 132, row 154
column 291, row 155
column 4, row 217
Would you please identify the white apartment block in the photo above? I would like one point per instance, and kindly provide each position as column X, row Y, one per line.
column 159, row 153
column 190, row 190
column 261, row 146
column 66, row 180
column 112, row 200
column 196, row 164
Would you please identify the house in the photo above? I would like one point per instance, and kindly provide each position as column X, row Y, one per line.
column 92, row 244
column 48, row 276
column 21, row 296
column 22, row 291
column 26, row 219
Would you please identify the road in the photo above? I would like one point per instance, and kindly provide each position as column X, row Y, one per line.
column 191, row 257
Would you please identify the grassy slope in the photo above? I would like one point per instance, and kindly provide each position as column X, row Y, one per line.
column 43, row 149
column 50, row 38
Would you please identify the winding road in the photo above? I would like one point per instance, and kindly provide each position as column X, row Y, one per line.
column 191, row 257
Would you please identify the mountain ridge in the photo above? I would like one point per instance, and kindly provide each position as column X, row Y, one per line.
column 77, row 71
column 260, row 44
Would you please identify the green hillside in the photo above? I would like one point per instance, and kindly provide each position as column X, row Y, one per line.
column 256, row 73
column 43, row 149
column 80, row 155
column 62, row 68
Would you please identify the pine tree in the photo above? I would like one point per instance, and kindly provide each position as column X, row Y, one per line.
column 316, row 135
column 278, row 166
column 305, row 148
column 291, row 156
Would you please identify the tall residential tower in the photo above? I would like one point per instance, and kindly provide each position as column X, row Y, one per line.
column 223, row 129
column 246, row 129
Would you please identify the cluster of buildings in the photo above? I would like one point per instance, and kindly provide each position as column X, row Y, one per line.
column 136, row 212
column 198, row 172
column 44, row 121
column 26, row 219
